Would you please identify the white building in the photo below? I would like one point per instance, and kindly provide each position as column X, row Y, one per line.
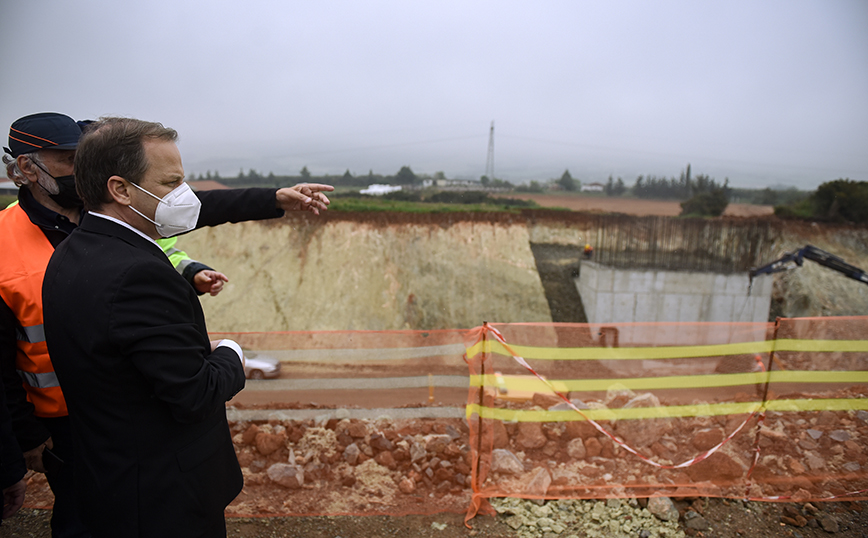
column 378, row 190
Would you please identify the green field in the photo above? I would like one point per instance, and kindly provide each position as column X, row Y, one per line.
column 6, row 199
column 379, row 204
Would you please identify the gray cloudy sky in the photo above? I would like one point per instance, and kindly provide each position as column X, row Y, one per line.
column 763, row 92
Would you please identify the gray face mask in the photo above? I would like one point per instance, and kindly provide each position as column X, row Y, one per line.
column 177, row 212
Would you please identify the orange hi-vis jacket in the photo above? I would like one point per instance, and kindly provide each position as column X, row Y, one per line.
column 26, row 252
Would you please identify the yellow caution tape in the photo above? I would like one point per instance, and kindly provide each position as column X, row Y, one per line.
column 530, row 383
column 668, row 352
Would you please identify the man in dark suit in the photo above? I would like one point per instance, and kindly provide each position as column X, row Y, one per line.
column 145, row 387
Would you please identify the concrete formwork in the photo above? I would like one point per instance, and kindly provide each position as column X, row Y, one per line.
column 611, row 295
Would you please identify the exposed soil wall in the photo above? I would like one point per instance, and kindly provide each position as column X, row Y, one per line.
column 371, row 272
column 392, row 271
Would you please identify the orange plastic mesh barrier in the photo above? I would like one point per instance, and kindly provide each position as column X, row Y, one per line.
column 373, row 421
column 390, row 423
column 745, row 410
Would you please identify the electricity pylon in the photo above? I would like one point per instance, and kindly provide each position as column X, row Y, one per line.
column 489, row 163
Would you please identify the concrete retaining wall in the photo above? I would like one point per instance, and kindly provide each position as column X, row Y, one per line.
column 621, row 296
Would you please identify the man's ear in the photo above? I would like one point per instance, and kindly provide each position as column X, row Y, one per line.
column 28, row 168
column 118, row 191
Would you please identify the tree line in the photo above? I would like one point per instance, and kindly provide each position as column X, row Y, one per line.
column 404, row 176
column 840, row 200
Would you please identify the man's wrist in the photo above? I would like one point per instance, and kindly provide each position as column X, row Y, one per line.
column 233, row 345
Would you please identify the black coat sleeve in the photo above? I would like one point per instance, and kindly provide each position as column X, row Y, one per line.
column 157, row 328
column 220, row 206
column 27, row 428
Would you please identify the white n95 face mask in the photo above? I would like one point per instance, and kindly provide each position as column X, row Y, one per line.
column 177, row 212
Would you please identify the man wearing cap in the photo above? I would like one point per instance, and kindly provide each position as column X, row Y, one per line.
column 43, row 148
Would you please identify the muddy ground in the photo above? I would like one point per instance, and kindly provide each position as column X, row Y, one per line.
column 726, row 519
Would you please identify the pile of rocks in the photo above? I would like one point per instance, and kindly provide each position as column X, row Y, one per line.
column 802, row 454
column 568, row 518
column 426, row 454
column 809, row 516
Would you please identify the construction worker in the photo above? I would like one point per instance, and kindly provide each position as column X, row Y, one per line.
column 41, row 150
column 588, row 251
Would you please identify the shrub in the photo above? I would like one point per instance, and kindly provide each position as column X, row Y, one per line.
column 706, row 204
column 842, row 199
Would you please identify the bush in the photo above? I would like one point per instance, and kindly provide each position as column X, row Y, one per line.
column 803, row 209
column 512, row 202
column 842, row 199
column 706, row 204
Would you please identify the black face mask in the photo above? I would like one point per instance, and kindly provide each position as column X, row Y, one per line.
column 67, row 198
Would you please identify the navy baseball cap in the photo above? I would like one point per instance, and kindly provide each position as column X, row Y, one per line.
column 46, row 130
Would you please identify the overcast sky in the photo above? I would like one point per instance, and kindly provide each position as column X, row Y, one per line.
column 762, row 92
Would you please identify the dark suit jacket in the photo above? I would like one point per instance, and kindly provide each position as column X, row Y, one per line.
column 146, row 395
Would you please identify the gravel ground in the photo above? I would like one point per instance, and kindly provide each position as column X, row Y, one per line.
column 708, row 518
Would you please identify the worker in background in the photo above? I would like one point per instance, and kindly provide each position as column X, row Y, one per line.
column 588, row 251
column 40, row 161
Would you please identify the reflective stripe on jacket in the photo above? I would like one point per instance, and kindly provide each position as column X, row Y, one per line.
column 26, row 252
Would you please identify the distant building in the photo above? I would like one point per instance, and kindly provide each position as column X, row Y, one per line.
column 593, row 187
column 378, row 190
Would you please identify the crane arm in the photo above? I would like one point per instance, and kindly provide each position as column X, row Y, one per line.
column 796, row 258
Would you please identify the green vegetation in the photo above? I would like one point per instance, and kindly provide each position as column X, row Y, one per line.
column 533, row 186
column 430, row 202
column 841, row 200
column 567, row 182
column 6, row 199
column 615, row 188
column 803, row 209
column 702, row 195
column 768, row 196
column 706, row 204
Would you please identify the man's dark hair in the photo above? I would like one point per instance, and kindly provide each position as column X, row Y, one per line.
column 113, row 147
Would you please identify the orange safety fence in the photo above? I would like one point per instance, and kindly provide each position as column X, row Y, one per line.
column 410, row 422
column 775, row 412
column 373, row 420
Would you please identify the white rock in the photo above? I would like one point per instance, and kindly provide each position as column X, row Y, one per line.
column 576, row 449
column 663, row 508
column 288, row 476
column 504, row 461
column 540, row 482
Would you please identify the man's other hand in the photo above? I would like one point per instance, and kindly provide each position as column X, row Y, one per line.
column 304, row 197
column 33, row 457
column 13, row 498
column 208, row 281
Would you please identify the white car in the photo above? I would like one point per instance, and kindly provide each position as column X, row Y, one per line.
column 260, row 367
